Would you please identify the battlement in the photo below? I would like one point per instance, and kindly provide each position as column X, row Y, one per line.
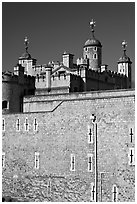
column 12, row 78
column 9, row 77
column 82, row 61
column 94, row 73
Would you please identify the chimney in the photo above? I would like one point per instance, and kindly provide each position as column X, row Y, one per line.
column 68, row 60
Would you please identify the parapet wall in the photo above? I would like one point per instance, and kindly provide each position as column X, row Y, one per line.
column 43, row 102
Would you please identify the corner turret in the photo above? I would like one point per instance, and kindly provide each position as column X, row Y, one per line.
column 124, row 64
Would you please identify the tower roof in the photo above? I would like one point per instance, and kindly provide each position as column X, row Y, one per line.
column 92, row 41
column 25, row 55
column 124, row 58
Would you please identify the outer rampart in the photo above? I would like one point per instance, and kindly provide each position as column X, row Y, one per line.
column 62, row 132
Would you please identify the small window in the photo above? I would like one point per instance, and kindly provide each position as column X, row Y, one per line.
column 90, row 162
column 5, row 105
column 95, row 56
column 36, row 160
column 26, row 125
column 35, row 125
column 3, row 124
column 95, row 48
column 3, row 159
column 114, row 193
column 131, row 156
column 92, row 192
column 72, row 165
column 18, row 125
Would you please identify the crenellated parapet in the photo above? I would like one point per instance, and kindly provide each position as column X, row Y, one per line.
column 81, row 61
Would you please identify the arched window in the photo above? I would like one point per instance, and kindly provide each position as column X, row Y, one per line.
column 95, row 56
column 95, row 48
column 4, row 104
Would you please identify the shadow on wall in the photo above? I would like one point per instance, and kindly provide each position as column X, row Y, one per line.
column 9, row 199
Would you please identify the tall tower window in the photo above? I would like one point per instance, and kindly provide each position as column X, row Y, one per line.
column 95, row 48
column 114, row 193
column 92, row 192
column 95, row 56
column 26, row 125
column 86, row 49
column 3, row 159
column 3, row 124
column 36, row 160
column 131, row 134
column 90, row 135
column 18, row 125
column 72, row 164
column 35, row 125
column 90, row 163
column 131, row 156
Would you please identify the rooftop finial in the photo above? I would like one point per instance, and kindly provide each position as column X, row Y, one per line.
column 92, row 25
column 26, row 42
column 124, row 45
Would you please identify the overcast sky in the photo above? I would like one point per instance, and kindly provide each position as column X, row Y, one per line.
column 53, row 28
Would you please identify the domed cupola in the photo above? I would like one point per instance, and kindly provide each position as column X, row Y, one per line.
column 124, row 64
column 92, row 50
column 124, row 58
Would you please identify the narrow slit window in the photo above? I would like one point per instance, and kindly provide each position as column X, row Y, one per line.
column 35, row 125
column 3, row 159
column 72, row 167
column 131, row 135
column 114, row 193
column 3, row 124
column 90, row 162
column 90, row 135
column 36, row 160
column 26, row 124
column 131, row 156
column 18, row 125
column 92, row 192
column 49, row 187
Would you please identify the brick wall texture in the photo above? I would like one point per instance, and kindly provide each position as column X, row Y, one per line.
column 63, row 132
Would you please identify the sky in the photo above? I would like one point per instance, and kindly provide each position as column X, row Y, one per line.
column 54, row 27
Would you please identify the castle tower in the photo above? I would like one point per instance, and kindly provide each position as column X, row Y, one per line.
column 92, row 51
column 124, row 64
column 26, row 60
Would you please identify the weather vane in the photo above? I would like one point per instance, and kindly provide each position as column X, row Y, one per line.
column 92, row 25
column 26, row 42
column 124, row 44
